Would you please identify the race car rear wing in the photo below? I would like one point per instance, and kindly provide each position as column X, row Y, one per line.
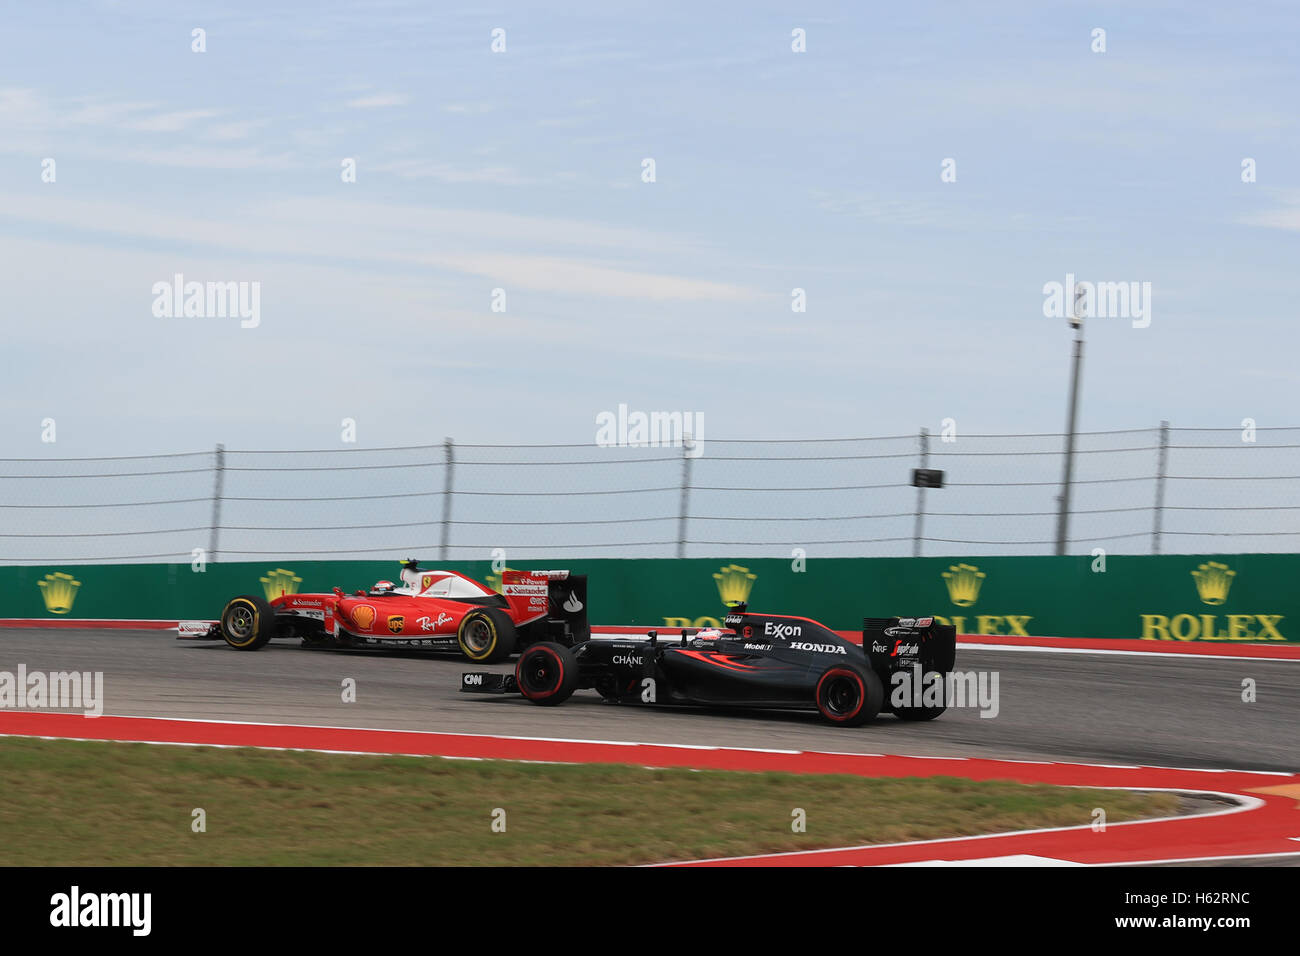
column 891, row 643
column 567, row 597
column 565, row 620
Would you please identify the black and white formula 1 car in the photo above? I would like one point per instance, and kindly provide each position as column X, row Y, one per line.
column 755, row 661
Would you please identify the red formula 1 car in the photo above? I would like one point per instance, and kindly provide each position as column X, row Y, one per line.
column 435, row 610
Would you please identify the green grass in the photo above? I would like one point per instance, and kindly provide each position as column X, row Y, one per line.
column 75, row 803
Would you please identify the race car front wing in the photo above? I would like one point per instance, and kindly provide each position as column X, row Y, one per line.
column 483, row 682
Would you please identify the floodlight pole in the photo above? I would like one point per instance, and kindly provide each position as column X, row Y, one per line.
column 449, row 462
column 920, row 495
column 1063, row 519
column 218, row 489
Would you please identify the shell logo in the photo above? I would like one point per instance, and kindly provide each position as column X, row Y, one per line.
column 363, row 615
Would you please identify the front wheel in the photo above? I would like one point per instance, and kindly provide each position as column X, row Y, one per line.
column 247, row 623
column 849, row 695
column 547, row 673
column 486, row 636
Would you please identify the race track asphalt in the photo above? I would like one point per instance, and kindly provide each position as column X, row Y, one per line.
column 1091, row 708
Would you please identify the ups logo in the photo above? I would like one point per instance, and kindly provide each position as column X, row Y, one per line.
column 396, row 623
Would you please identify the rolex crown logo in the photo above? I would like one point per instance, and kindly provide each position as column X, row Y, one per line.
column 734, row 584
column 964, row 582
column 1212, row 581
column 59, row 591
column 280, row 582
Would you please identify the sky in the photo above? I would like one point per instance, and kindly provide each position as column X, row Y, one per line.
column 523, row 171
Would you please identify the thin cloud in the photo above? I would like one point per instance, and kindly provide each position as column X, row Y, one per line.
column 1285, row 215
column 377, row 101
column 370, row 234
column 228, row 132
column 449, row 173
column 902, row 212
column 574, row 276
column 170, row 122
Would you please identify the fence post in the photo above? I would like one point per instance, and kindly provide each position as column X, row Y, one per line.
column 1162, row 465
column 686, row 495
column 218, row 487
column 449, row 449
column 920, row 494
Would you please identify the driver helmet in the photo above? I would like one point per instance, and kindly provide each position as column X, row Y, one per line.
column 383, row 587
column 708, row 634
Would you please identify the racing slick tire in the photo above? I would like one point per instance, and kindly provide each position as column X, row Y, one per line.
column 938, row 664
column 247, row 622
column 547, row 673
column 486, row 636
column 920, row 713
column 849, row 695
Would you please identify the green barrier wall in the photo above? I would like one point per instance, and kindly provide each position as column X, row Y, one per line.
column 1242, row 597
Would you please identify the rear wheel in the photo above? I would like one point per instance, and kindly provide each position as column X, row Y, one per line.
column 918, row 713
column 547, row 673
column 923, row 712
column 248, row 622
column 938, row 659
column 849, row 695
column 486, row 636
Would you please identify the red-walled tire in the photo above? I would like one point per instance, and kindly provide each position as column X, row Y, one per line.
column 547, row 673
column 848, row 695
